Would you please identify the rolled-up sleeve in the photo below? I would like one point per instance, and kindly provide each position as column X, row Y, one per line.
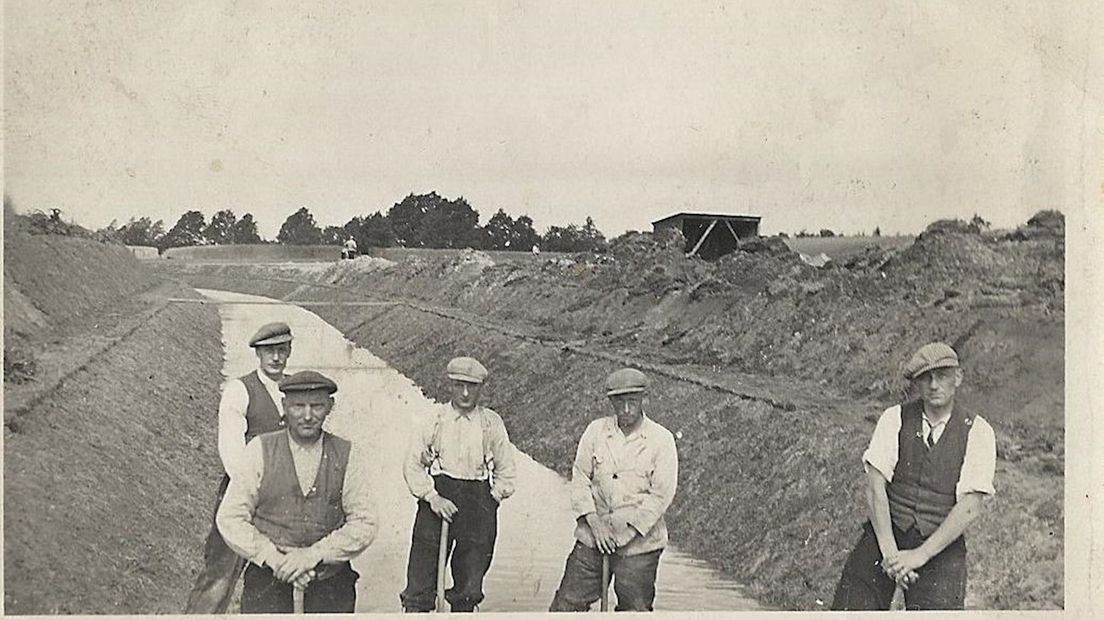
column 980, row 461
column 582, row 497
column 881, row 454
column 232, row 425
column 505, row 461
column 415, row 469
column 661, row 489
column 359, row 530
column 235, row 513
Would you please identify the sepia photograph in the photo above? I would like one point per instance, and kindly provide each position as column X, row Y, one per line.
column 538, row 307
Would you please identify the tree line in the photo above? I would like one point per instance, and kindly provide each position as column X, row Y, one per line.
column 417, row 221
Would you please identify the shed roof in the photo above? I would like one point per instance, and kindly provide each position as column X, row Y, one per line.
column 723, row 216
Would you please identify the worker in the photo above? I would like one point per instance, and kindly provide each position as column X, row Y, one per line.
column 928, row 467
column 460, row 466
column 298, row 508
column 249, row 407
column 623, row 481
column 350, row 248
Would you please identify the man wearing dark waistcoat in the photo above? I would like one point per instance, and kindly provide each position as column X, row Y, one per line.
column 299, row 509
column 460, row 466
column 248, row 408
column 928, row 467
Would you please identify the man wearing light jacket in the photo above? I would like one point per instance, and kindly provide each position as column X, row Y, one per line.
column 623, row 481
column 928, row 468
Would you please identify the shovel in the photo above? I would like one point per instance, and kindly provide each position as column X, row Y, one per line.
column 604, row 605
column 297, row 600
column 442, row 556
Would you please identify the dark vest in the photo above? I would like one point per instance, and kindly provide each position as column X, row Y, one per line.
column 283, row 513
column 262, row 415
column 922, row 493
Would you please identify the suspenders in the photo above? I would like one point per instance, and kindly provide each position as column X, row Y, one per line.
column 484, row 428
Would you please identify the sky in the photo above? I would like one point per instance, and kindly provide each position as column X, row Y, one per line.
column 840, row 114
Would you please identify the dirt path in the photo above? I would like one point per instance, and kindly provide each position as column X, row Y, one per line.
column 375, row 407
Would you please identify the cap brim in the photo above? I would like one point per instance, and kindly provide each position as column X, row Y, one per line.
column 624, row 391
column 464, row 378
column 309, row 387
column 281, row 339
column 933, row 366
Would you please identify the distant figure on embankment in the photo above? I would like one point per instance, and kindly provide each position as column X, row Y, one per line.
column 248, row 408
column 349, row 250
column 461, row 466
column 928, row 468
column 299, row 509
column 623, row 481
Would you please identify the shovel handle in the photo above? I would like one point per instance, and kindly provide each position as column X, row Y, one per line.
column 297, row 600
column 442, row 557
column 605, row 582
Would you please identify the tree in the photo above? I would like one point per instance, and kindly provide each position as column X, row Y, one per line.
column 218, row 231
column 877, row 231
column 503, row 232
column 573, row 238
column 406, row 217
column 141, row 231
column 451, row 224
column 299, row 229
column 187, row 231
column 371, row 231
column 824, row 232
column 333, row 235
column 244, row 231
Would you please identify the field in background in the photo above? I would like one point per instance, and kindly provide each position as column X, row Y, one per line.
column 837, row 247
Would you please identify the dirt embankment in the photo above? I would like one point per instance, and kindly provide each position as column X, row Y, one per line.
column 801, row 359
column 109, row 457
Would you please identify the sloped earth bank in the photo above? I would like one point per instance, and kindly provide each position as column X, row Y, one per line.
column 110, row 476
column 376, row 407
column 772, row 371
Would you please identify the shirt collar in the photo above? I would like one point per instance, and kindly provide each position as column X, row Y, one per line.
column 641, row 431
column 297, row 447
column 265, row 380
column 456, row 414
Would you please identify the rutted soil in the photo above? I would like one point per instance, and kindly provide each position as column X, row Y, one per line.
column 801, row 361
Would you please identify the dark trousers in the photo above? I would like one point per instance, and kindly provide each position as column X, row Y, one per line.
column 221, row 568
column 265, row 594
column 633, row 579
column 865, row 586
column 470, row 542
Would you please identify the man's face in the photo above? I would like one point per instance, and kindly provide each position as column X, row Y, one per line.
column 937, row 387
column 465, row 395
column 273, row 358
column 305, row 412
column 629, row 408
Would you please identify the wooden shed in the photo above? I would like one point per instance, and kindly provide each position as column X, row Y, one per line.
column 710, row 235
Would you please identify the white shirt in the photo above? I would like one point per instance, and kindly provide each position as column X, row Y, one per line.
column 978, row 464
column 235, row 513
column 231, row 419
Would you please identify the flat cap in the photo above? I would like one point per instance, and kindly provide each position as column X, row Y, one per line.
column 466, row 369
column 929, row 357
column 271, row 333
column 307, row 380
column 626, row 381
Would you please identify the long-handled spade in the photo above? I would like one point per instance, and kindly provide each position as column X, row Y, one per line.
column 442, row 556
column 297, row 600
column 605, row 582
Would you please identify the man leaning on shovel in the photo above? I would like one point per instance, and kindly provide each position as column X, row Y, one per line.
column 449, row 469
column 928, row 467
column 249, row 407
column 299, row 508
column 623, row 481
